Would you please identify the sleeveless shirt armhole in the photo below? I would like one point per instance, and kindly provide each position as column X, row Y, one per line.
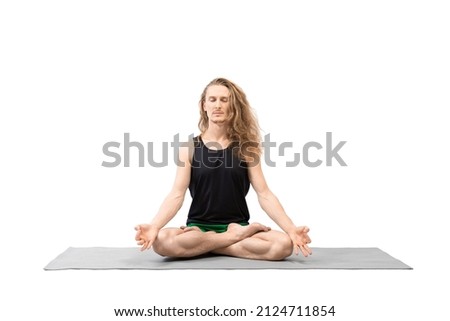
column 196, row 141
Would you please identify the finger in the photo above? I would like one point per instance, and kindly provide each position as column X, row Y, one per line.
column 138, row 233
column 306, row 239
column 296, row 249
column 144, row 246
column 304, row 235
column 306, row 249
column 149, row 245
column 138, row 236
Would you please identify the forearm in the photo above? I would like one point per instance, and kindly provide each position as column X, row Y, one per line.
column 168, row 209
column 272, row 206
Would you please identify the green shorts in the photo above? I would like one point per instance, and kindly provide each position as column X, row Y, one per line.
column 218, row 228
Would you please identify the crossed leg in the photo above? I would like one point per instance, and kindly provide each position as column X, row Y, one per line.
column 254, row 241
column 271, row 245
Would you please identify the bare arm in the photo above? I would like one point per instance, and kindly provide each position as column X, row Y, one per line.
column 174, row 200
column 272, row 206
column 147, row 233
column 268, row 201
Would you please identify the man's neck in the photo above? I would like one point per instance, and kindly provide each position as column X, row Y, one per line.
column 216, row 132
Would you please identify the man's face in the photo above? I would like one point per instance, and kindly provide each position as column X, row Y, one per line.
column 217, row 103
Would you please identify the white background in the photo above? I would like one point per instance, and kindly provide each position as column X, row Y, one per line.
column 75, row 75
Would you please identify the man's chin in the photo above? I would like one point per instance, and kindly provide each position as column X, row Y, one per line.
column 218, row 121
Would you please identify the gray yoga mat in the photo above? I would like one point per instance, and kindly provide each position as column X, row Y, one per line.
column 131, row 258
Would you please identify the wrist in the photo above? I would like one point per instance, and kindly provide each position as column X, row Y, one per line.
column 155, row 226
column 291, row 230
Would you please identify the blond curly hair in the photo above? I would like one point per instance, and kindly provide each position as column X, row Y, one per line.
column 243, row 131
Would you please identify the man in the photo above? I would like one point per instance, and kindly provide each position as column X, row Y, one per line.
column 218, row 168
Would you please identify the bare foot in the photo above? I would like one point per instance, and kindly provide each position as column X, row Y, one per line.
column 242, row 232
column 190, row 228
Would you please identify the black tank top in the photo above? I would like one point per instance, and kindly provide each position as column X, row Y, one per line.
column 218, row 186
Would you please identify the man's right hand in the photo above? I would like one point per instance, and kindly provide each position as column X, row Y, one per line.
column 145, row 235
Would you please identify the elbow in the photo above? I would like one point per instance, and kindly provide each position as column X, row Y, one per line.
column 176, row 196
column 265, row 195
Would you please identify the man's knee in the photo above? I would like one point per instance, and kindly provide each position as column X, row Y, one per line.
column 281, row 248
column 163, row 242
